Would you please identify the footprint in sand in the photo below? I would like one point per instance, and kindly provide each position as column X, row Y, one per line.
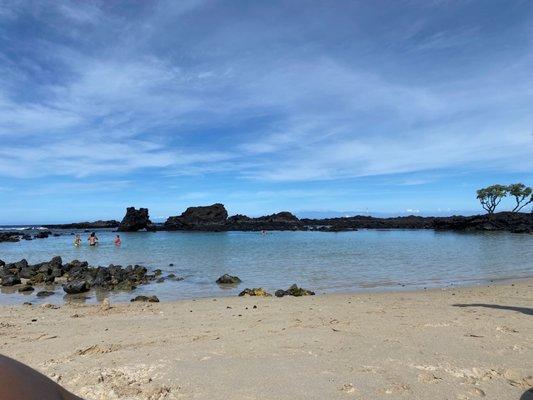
column 96, row 349
column 428, row 377
column 348, row 388
column 506, row 329
column 396, row 388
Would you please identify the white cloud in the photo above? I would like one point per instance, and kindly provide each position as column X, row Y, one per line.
column 122, row 107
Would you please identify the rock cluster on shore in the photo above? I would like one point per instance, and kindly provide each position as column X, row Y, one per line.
column 75, row 276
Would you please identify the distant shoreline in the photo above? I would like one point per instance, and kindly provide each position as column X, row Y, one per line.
column 503, row 221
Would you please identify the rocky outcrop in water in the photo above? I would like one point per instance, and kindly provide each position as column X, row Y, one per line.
column 503, row 221
column 228, row 280
column 100, row 224
column 202, row 218
column 10, row 236
column 136, row 220
column 214, row 218
column 367, row 222
column 282, row 221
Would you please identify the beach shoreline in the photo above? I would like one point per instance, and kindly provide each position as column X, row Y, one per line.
column 378, row 345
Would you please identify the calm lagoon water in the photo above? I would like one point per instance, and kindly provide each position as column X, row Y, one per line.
column 323, row 262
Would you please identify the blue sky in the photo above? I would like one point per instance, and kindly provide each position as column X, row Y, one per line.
column 387, row 106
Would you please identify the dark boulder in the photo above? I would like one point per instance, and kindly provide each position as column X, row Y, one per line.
column 10, row 280
column 149, row 299
column 295, row 291
column 136, row 220
column 42, row 235
column 56, row 262
column 76, row 286
column 20, row 264
column 41, row 277
column 173, row 277
column 27, row 272
column 26, row 288
column 254, row 292
column 44, row 293
column 126, row 285
column 10, row 236
column 228, row 280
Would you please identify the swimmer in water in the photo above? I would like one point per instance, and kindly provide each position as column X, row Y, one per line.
column 93, row 239
column 118, row 242
column 77, row 241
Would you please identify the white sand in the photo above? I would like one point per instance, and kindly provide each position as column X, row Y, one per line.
column 413, row 345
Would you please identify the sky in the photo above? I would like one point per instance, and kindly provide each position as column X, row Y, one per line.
column 385, row 107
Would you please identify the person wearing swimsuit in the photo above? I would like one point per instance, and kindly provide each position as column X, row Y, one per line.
column 117, row 241
column 93, row 239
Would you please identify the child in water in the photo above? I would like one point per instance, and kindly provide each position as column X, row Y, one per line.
column 118, row 242
column 77, row 241
column 93, row 239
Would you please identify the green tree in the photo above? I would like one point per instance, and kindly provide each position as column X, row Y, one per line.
column 522, row 194
column 491, row 196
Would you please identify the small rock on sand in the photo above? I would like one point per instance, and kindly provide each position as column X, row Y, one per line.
column 149, row 299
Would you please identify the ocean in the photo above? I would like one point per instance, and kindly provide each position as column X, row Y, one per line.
column 364, row 260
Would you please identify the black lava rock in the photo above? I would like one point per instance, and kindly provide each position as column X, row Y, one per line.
column 149, row 299
column 228, row 280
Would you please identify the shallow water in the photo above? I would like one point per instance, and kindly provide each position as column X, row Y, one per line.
column 320, row 261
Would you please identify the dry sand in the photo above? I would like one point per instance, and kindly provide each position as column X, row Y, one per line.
column 410, row 345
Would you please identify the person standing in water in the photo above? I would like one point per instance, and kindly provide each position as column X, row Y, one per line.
column 77, row 241
column 93, row 239
column 117, row 242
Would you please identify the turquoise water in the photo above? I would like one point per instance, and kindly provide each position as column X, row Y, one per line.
column 323, row 262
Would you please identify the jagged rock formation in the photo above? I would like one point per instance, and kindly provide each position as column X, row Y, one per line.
column 201, row 218
column 283, row 221
column 136, row 220
column 215, row 218
column 367, row 222
column 295, row 291
column 503, row 221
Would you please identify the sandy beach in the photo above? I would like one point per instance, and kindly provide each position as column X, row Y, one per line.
column 403, row 345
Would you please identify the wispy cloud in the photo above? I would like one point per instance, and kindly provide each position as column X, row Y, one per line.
column 193, row 88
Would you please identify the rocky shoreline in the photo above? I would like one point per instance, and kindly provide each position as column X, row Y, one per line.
column 214, row 218
column 74, row 277
column 78, row 277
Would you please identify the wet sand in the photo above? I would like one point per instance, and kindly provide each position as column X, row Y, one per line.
column 408, row 345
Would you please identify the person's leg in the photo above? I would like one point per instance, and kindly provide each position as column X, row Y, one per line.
column 20, row 382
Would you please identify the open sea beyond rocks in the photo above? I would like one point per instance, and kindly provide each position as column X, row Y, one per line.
column 323, row 262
